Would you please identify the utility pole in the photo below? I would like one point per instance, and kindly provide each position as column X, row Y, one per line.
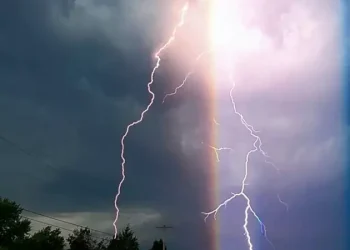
column 164, row 228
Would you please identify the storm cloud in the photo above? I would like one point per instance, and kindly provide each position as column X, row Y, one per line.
column 73, row 76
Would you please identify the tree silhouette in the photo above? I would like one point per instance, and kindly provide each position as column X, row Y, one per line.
column 158, row 245
column 125, row 240
column 13, row 229
column 101, row 245
column 81, row 239
column 47, row 238
column 14, row 235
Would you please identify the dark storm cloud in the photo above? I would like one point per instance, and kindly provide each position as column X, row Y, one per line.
column 66, row 98
column 80, row 92
column 70, row 86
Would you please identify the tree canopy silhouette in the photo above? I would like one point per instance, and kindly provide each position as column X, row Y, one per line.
column 81, row 239
column 125, row 240
column 158, row 245
column 15, row 235
column 45, row 239
column 13, row 229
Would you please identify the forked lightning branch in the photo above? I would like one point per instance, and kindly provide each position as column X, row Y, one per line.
column 256, row 146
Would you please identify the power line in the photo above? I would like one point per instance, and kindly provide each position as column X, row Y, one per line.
column 64, row 221
column 14, row 145
column 25, row 152
column 22, row 150
column 38, row 159
column 48, row 224
column 51, row 225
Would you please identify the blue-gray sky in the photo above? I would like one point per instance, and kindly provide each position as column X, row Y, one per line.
column 72, row 79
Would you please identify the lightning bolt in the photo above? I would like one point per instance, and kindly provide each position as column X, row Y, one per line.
column 187, row 76
column 273, row 165
column 257, row 147
column 149, row 84
column 216, row 150
column 216, row 123
column 282, row 202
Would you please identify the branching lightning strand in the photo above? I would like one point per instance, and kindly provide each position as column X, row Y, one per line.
column 149, row 84
column 216, row 150
column 283, row 202
column 257, row 146
column 187, row 76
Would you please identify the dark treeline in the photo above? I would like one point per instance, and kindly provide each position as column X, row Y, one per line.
column 15, row 234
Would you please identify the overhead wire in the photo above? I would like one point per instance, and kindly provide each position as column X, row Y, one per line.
column 64, row 221
column 59, row 227
column 26, row 152
column 22, row 150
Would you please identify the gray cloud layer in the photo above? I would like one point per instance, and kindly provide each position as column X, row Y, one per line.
column 69, row 86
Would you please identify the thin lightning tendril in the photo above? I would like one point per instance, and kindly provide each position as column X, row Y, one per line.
column 149, row 84
column 216, row 150
column 187, row 76
column 216, row 123
column 273, row 165
column 282, row 202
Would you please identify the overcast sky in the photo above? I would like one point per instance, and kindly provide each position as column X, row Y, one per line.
column 72, row 79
